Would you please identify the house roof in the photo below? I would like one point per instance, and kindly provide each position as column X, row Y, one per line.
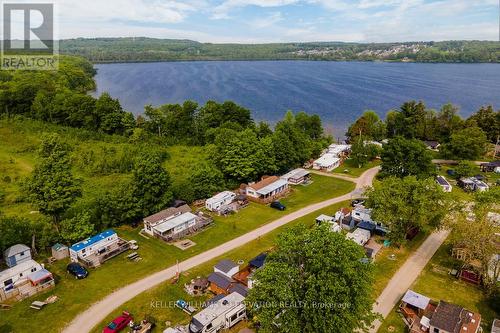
column 174, row 222
column 225, row 265
column 432, row 144
column 220, row 280
column 272, row 186
column 221, row 196
column 239, row 288
column 367, row 226
column 325, row 218
column 447, row 317
column 327, row 160
column 39, row 275
column 442, row 181
column 166, row 213
column 336, row 149
column 59, row 246
column 214, row 300
column 19, row 268
column 15, row 249
column 264, row 182
column 295, row 174
column 258, row 261
column 491, row 164
column 92, row 240
column 415, row 299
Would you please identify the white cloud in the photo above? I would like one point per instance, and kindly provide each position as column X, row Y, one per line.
column 154, row 11
column 268, row 21
column 222, row 11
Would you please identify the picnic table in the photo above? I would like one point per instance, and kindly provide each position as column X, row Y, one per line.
column 134, row 256
column 37, row 305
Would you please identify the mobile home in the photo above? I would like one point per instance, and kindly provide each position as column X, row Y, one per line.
column 220, row 200
column 223, row 314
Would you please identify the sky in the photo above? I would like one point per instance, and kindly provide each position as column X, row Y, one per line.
column 262, row 21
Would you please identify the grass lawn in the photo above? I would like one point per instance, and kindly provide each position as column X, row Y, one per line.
column 386, row 265
column 436, row 283
column 156, row 256
column 158, row 302
column 351, row 169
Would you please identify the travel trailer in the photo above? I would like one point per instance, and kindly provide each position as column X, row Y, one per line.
column 223, row 314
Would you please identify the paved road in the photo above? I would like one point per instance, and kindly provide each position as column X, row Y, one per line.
column 406, row 275
column 85, row 321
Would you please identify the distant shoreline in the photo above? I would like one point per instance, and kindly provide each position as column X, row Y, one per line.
column 281, row 60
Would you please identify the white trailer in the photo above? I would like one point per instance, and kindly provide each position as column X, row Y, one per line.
column 223, row 314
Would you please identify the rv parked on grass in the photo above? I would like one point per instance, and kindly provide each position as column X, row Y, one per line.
column 223, row 314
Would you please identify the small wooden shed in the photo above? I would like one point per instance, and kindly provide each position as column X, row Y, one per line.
column 60, row 251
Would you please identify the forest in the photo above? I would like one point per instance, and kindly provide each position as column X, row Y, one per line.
column 141, row 49
column 73, row 164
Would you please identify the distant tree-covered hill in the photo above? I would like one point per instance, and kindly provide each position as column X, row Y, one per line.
column 150, row 49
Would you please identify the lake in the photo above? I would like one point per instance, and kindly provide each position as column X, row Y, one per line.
column 337, row 91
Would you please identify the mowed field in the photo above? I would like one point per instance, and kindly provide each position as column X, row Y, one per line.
column 17, row 159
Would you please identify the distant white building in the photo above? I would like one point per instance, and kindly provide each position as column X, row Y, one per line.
column 11, row 276
column 445, row 185
column 359, row 236
column 339, row 150
column 175, row 225
column 17, row 254
column 297, row 176
column 327, row 162
column 267, row 190
column 227, row 268
column 360, row 214
column 473, row 184
column 220, row 200
column 92, row 246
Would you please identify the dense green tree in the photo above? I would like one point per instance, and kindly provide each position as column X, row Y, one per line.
column 403, row 204
column 479, row 237
column 77, row 228
column 291, row 145
column 14, row 230
column 52, row 188
column 242, row 156
column 406, row 157
column 467, row 144
column 448, row 122
column 309, row 124
column 213, row 115
column 489, row 121
column 110, row 114
column 205, row 181
column 116, row 206
column 362, row 153
column 151, row 184
column 263, row 129
column 369, row 126
column 465, row 169
column 313, row 274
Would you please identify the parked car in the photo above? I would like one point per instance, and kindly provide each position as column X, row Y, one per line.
column 278, row 205
column 357, row 202
column 77, row 270
column 451, row 172
column 119, row 323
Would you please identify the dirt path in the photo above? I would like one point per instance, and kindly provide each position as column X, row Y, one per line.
column 97, row 312
column 406, row 275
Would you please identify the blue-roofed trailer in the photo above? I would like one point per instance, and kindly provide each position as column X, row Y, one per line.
column 94, row 250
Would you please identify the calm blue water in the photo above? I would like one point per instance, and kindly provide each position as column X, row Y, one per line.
column 338, row 91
